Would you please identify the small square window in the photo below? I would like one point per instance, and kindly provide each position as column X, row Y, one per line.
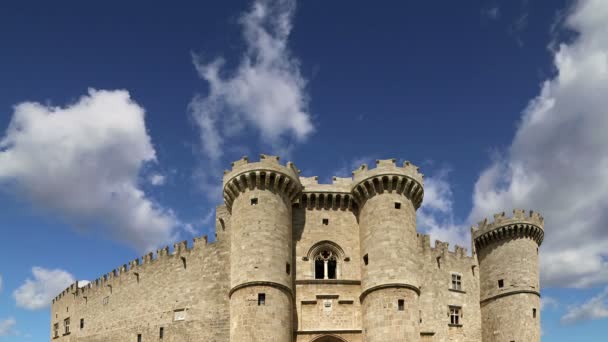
column 365, row 259
column 455, row 315
column 179, row 315
column 325, row 222
column 254, row 201
column 261, row 299
column 501, row 283
column 105, row 300
column 401, row 305
column 397, row 205
column 288, row 268
column 534, row 313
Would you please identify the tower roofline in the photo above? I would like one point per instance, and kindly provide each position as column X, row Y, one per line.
column 523, row 224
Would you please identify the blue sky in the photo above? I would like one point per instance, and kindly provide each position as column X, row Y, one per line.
column 117, row 119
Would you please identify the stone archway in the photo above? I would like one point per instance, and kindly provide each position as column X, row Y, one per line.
column 328, row 338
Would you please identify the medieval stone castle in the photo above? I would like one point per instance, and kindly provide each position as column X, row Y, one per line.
column 295, row 260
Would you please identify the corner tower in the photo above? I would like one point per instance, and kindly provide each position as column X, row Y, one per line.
column 507, row 251
column 388, row 197
column 260, row 196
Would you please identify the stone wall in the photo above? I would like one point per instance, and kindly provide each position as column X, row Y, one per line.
column 142, row 299
column 437, row 294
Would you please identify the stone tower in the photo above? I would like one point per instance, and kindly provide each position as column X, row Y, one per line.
column 507, row 251
column 388, row 197
column 260, row 195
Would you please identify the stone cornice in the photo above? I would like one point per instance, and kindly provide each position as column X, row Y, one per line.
column 388, row 286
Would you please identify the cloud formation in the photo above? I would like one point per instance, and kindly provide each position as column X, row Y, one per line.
column 6, row 326
column 595, row 308
column 558, row 161
column 37, row 293
column 436, row 215
column 83, row 161
column 266, row 92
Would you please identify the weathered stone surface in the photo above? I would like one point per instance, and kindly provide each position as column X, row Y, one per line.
column 279, row 232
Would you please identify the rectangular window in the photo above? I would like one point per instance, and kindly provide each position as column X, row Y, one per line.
column 455, row 314
column 179, row 315
column 365, row 259
column 161, row 333
column 401, row 305
column 287, row 268
column 261, row 299
column 325, row 222
column 106, row 300
column 456, row 282
column 82, row 323
column 138, row 337
column 56, row 330
column 254, row 201
column 397, row 205
column 534, row 313
column 66, row 325
column 501, row 283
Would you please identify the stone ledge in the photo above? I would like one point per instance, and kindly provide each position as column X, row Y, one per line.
column 328, row 282
column 338, row 331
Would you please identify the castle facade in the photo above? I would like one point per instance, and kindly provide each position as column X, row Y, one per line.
column 295, row 260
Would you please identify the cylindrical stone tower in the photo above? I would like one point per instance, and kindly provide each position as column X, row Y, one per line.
column 388, row 197
column 507, row 251
column 259, row 196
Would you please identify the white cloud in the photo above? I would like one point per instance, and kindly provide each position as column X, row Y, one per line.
column 558, row 161
column 37, row 293
column 492, row 12
column 266, row 92
column 6, row 326
column 156, row 179
column 595, row 308
column 83, row 162
column 435, row 216
column 547, row 302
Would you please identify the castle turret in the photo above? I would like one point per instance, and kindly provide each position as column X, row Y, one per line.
column 388, row 197
column 507, row 251
column 259, row 196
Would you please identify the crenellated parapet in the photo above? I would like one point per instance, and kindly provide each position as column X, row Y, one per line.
column 441, row 248
column 134, row 268
column 336, row 195
column 266, row 174
column 388, row 177
column 521, row 224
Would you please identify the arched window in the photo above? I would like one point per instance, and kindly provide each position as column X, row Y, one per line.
column 326, row 257
column 325, row 264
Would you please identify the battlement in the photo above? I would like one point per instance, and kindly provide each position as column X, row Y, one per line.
column 386, row 167
column 266, row 162
column 441, row 248
column 389, row 177
column 267, row 173
column 180, row 250
column 529, row 224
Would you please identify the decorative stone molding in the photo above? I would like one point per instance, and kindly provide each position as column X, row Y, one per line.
column 387, row 177
column 519, row 225
column 267, row 174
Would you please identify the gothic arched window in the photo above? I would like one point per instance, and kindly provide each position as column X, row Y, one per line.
column 326, row 257
column 325, row 264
